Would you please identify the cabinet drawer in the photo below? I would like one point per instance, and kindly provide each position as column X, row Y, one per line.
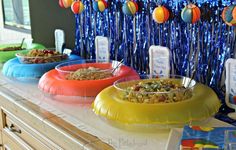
column 28, row 134
column 12, row 142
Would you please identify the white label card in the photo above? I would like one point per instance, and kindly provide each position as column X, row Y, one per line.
column 159, row 61
column 28, row 43
column 59, row 40
column 230, row 83
column 102, row 48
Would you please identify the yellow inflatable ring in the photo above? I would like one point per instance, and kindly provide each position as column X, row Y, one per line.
column 203, row 104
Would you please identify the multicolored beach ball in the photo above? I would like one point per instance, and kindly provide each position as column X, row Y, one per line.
column 191, row 14
column 99, row 5
column 228, row 15
column 77, row 7
column 130, row 8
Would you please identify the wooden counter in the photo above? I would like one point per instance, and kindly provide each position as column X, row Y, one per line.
column 31, row 120
column 25, row 125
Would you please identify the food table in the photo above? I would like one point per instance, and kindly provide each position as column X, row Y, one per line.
column 76, row 121
column 135, row 33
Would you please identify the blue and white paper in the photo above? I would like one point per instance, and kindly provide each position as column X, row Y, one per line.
column 102, row 48
column 230, row 83
column 159, row 61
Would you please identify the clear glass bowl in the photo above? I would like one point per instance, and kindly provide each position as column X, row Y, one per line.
column 155, row 90
column 40, row 56
column 88, row 69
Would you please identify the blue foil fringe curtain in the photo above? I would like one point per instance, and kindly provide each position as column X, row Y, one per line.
column 204, row 46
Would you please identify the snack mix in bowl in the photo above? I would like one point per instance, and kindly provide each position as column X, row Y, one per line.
column 156, row 90
column 90, row 73
column 37, row 56
column 88, row 70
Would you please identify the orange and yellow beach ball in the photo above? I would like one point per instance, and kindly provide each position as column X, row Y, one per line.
column 161, row 14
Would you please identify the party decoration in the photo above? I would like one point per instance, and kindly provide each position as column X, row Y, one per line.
column 65, row 3
column 99, row 5
column 191, row 45
column 234, row 13
column 191, row 13
column 61, row 4
column 109, row 104
column 14, row 69
column 77, row 7
column 207, row 138
column 161, row 14
column 52, row 81
column 227, row 15
column 130, row 8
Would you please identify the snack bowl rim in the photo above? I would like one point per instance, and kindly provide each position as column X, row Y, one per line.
column 191, row 86
column 76, row 62
column 21, row 56
column 59, row 55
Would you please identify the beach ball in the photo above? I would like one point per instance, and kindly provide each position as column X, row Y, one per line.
column 160, row 14
column 234, row 13
column 130, row 8
column 61, row 4
column 77, row 7
column 100, row 5
column 65, row 3
column 227, row 15
column 191, row 13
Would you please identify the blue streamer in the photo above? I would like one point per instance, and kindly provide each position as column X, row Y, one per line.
column 204, row 46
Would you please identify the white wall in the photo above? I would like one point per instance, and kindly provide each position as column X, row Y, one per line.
column 10, row 36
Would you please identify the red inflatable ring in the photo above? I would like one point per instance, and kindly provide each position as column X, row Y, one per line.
column 53, row 82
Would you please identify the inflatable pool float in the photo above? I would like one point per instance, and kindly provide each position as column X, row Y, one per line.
column 55, row 82
column 16, row 70
column 112, row 106
column 6, row 55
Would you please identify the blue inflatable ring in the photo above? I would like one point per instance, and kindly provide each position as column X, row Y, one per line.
column 14, row 69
